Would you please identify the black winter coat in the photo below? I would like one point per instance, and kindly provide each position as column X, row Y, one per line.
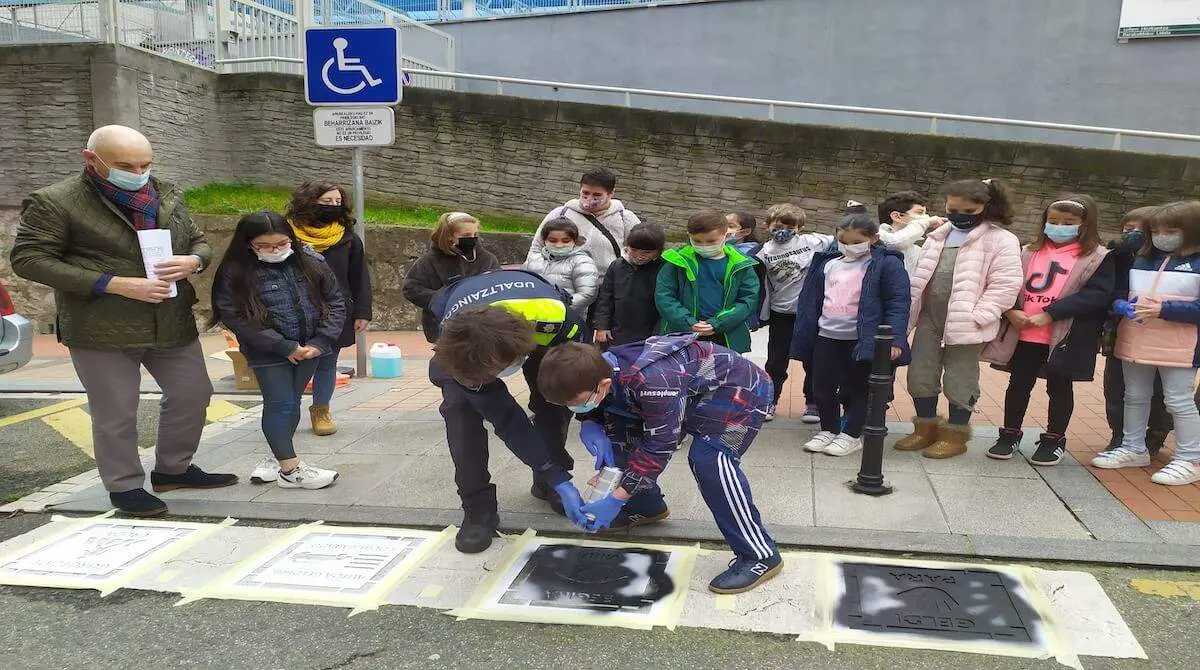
column 348, row 262
column 1122, row 255
column 625, row 304
column 433, row 270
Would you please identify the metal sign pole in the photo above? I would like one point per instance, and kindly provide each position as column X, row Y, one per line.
column 360, row 229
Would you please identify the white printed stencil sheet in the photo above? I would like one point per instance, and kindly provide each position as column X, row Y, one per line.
column 327, row 565
column 100, row 553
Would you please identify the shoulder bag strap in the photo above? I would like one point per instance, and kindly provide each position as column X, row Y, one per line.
column 604, row 231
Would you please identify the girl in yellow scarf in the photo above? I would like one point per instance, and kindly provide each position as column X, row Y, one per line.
column 320, row 214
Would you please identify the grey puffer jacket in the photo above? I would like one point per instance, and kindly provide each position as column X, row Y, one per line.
column 575, row 274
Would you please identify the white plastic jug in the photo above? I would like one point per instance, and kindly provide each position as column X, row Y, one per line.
column 386, row 361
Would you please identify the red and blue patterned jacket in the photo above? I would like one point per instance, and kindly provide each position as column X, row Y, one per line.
column 672, row 386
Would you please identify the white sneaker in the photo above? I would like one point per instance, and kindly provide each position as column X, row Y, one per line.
column 770, row 414
column 1177, row 473
column 844, row 445
column 1121, row 457
column 305, row 476
column 267, row 470
column 819, row 441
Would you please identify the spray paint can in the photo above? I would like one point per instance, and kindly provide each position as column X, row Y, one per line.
column 607, row 481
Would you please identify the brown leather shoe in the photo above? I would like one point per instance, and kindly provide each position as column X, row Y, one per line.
column 924, row 434
column 322, row 421
column 952, row 441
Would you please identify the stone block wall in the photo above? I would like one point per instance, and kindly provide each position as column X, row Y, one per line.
column 46, row 113
column 484, row 152
column 53, row 96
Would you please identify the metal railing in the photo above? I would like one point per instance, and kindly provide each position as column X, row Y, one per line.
column 52, row 21
column 771, row 107
column 223, row 35
column 451, row 10
column 178, row 29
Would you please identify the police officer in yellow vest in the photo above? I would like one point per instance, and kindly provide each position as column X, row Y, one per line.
column 469, row 370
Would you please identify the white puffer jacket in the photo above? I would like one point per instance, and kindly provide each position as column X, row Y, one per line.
column 616, row 220
column 575, row 274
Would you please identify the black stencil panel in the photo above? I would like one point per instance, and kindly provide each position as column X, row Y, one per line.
column 598, row 579
column 943, row 604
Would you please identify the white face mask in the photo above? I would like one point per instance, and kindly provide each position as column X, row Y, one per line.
column 854, row 250
column 513, row 369
column 709, row 250
column 1167, row 243
column 274, row 256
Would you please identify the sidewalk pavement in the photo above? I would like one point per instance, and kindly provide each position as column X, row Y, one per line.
column 391, row 452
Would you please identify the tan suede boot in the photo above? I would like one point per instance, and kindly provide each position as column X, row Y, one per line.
column 924, row 434
column 952, row 441
column 322, row 422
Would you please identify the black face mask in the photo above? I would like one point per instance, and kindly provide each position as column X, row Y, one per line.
column 467, row 244
column 965, row 221
column 329, row 213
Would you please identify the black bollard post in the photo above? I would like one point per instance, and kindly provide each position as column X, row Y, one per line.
column 879, row 392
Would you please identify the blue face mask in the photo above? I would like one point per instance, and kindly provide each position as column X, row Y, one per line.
column 584, row 408
column 1060, row 234
column 125, row 180
column 512, row 369
column 783, row 235
column 592, row 403
column 1132, row 238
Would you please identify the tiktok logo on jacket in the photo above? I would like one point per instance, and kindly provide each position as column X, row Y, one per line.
column 1043, row 281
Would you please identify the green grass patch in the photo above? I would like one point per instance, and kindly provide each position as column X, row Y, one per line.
column 242, row 198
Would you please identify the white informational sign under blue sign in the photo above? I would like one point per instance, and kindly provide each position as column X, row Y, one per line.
column 352, row 65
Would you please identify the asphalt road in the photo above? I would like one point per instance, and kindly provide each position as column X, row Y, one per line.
column 48, row 629
column 34, row 455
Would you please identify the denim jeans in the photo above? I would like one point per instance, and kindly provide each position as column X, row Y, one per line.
column 282, row 385
column 1178, row 386
column 325, row 378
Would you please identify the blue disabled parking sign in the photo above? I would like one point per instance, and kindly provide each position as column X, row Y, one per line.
column 352, row 65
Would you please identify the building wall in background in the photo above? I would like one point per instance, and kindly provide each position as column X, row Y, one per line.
column 1053, row 61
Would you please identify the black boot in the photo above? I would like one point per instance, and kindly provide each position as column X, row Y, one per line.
column 138, row 502
column 477, row 530
column 1006, row 445
column 1050, row 449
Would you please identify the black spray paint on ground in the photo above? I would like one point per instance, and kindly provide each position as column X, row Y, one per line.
column 598, row 579
column 941, row 604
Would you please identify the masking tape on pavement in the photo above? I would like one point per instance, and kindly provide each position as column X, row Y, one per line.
column 227, row 586
column 1052, row 645
column 666, row 613
column 122, row 575
column 206, row 591
column 415, row 558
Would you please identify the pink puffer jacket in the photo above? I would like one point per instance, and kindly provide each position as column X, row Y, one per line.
column 987, row 280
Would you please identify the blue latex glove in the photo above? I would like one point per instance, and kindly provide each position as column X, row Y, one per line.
column 596, row 440
column 572, row 502
column 1125, row 308
column 604, row 510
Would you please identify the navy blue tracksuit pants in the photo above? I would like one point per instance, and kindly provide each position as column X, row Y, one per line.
column 726, row 491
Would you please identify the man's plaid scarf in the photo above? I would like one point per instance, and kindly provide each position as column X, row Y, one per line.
column 141, row 206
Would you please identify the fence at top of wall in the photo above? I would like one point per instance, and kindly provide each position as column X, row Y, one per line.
column 453, row 10
column 220, row 35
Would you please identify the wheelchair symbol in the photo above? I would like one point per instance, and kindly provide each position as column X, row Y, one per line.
column 346, row 64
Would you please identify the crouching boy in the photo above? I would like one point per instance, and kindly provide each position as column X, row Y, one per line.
column 650, row 396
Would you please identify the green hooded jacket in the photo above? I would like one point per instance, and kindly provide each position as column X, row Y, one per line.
column 678, row 301
column 70, row 235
